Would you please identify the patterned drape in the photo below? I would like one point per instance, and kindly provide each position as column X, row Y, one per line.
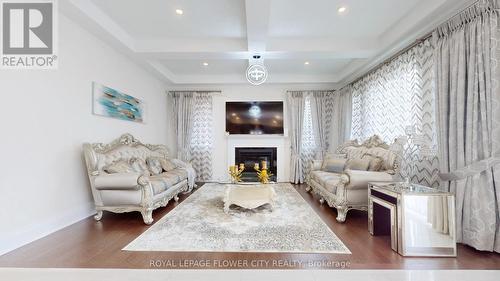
column 296, row 103
column 310, row 141
column 194, row 130
column 201, row 145
column 320, row 104
column 467, row 52
column 397, row 95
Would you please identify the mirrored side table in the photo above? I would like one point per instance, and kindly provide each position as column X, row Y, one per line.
column 419, row 219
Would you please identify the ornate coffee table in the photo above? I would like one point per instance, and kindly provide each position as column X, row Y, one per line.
column 248, row 196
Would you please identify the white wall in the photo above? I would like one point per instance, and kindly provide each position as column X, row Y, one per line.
column 46, row 116
column 269, row 92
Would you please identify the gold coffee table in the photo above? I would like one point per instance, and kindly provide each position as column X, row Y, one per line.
column 249, row 196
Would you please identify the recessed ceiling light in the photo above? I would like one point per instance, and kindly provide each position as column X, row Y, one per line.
column 306, row 63
column 342, row 9
column 205, row 63
column 179, row 11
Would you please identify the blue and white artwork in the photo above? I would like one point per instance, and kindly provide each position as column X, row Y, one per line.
column 113, row 103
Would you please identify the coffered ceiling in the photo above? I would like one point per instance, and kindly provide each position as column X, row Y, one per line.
column 299, row 41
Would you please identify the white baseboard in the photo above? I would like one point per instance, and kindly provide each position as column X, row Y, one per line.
column 43, row 228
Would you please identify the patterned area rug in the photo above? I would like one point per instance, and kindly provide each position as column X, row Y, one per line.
column 199, row 224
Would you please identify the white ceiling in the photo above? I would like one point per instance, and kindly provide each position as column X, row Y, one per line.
column 286, row 33
column 157, row 18
column 320, row 18
column 214, row 67
column 315, row 66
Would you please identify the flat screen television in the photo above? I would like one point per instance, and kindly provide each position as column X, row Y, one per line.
column 254, row 118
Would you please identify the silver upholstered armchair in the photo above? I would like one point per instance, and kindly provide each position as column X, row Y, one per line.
column 118, row 185
column 345, row 187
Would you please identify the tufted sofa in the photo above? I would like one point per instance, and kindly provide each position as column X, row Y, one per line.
column 348, row 189
column 132, row 190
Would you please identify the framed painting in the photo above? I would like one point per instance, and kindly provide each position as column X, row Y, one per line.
column 113, row 103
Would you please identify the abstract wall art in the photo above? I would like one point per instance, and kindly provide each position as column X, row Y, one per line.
column 113, row 103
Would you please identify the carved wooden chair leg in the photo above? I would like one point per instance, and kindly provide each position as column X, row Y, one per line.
column 164, row 203
column 341, row 213
column 147, row 216
column 98, row 216
column 187, row 189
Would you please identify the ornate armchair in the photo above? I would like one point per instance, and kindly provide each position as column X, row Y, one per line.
column 132, row 190
column 348, row 188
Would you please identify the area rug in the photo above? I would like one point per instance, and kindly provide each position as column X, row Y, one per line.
column 199, row 224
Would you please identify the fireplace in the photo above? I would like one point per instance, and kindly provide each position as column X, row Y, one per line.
column 251, row 155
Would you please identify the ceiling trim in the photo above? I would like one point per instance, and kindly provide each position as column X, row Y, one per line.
column 257, row 22
column 104, row 21
column 240, row 78
column 425, row 16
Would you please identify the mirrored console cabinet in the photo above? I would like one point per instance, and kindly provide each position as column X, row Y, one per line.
column 419, row 219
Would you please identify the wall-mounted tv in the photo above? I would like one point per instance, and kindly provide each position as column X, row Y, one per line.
column 254, row 118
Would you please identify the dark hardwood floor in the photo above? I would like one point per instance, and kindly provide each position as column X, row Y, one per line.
column 90, row 244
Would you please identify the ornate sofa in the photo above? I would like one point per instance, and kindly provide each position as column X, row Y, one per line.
column 348, row 189
column 132, row 190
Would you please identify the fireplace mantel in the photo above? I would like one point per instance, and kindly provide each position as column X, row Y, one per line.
column 254, row 136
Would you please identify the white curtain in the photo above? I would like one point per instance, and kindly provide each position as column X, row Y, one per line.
column 467, row 62
column 438, row 208
column 296, row 103
column 397, row 95
column 341, row 117
column 194, row 130
column 183, row 123
column 325, row 120
column 316, row 126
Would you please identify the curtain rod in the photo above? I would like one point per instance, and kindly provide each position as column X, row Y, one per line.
column 195, row 91
column 411, row 45
column 289, row 91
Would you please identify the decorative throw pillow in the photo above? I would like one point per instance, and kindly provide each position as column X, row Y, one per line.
column 334, row 165
column 118, row 167
column 376, row 162
column 358, row 164
column 154, row 165
column 331, row 156
column 167, row 165
column 139, row 166
column 336, row 155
